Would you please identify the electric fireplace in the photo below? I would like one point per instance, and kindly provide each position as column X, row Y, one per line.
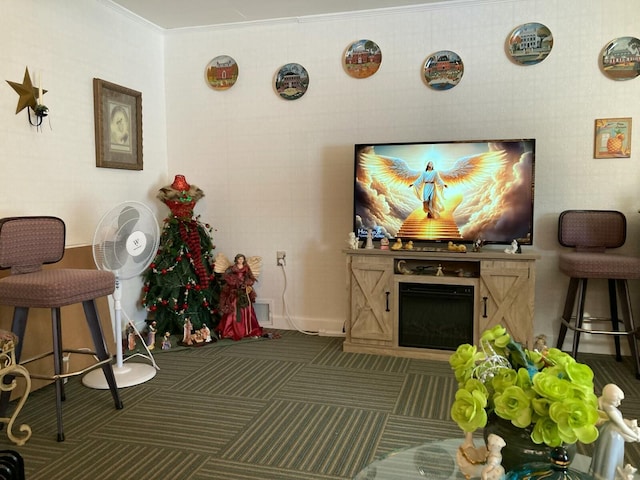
column 435, row 316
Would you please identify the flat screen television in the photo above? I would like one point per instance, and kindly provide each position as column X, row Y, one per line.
column 460, row 191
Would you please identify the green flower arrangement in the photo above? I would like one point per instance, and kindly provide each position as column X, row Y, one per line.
column 547, row 392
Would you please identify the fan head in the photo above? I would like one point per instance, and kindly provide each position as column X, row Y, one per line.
column 126, row 239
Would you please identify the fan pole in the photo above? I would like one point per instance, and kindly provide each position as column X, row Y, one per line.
column 133, row 373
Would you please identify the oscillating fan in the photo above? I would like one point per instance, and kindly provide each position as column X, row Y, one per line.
column 125, row 242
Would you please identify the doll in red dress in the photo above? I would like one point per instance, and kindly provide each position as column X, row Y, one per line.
column 237, row 297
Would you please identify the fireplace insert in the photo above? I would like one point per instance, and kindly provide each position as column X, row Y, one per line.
column 435, row 316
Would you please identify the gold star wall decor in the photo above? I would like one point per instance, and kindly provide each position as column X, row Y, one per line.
column 28, row 93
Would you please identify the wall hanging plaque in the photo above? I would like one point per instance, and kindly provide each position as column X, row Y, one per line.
column 443, row 70
column 620, row 59
column 292, row 81
column 612, row 138
column 221, row 72
column 362, row 59
column 529, row 44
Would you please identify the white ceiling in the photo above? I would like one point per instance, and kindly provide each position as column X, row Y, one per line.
column 169, row 14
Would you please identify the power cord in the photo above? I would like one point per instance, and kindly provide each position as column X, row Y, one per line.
column 286, row 308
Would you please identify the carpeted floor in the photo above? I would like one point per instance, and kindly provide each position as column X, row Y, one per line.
column 291, row 408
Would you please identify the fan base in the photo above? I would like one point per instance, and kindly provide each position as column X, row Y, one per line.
column 126, row 376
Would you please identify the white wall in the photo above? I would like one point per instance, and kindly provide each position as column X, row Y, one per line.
column 278, row 174
column 53, row 172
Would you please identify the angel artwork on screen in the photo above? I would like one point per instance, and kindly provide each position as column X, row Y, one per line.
column 437, row 189
column 238, row 296
column 451, row 190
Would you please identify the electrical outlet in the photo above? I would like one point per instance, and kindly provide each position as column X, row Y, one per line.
column 280, row 258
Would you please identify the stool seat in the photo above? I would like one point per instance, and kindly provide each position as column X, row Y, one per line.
column 592, row 233
column 55, row 287
column 599, row 265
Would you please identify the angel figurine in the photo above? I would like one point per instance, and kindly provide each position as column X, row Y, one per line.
column 237, row 296
column 429, row 184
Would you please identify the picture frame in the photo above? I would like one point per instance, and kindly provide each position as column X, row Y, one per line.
column 612, row 138
column 118, row 126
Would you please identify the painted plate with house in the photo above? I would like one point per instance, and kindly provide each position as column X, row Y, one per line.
column 529, row 44
column 221, row 72
column 620, row 58
column 362, row 59
column 443, row 70
column 292, row 81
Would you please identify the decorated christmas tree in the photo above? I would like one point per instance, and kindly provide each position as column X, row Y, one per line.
column 179, row 284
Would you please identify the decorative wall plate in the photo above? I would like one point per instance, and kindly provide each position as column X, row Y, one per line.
column 530, row 43
column 221, row 72
column 620, row 59
column 292, row 81
column 362, row 59
column 443, row 70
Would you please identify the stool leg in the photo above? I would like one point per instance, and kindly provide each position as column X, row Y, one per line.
column 615, row 320
column 582, row 294
column 91, row 313
column 568, row 310
column 629, row 323
column 57, row 367
column 18, row 327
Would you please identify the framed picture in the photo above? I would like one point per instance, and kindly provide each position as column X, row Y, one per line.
column 118, row 124
column 612, row 138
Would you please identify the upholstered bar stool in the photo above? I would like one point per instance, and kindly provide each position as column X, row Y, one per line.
column 26, row 243
column 592, row 233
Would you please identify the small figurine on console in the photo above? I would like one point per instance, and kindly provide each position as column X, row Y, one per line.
column 397, row 245
column 369, row 243
column 513, row 248
column 384, row 243
column 478, row 244
column 352, row 241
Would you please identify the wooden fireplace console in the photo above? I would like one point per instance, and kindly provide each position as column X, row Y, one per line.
column 504, row 290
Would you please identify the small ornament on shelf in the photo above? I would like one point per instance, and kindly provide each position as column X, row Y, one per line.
column 369, row 244
column 513, row 248
column 352, row 241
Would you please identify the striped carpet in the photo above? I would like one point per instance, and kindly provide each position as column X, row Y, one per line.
column 291, row 408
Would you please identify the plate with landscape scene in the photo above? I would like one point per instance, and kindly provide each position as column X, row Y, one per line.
column 443, row 70
column 530, row 43
column 292, row 81
column 362, row 59
column 221, row 72
column 620, row 59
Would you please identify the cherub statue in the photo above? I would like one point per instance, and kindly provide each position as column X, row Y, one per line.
column 352, row 241
column 626, row 473
column 237, row 296
column 481, row 462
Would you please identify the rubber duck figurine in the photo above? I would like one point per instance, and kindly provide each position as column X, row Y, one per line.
column 397, row 245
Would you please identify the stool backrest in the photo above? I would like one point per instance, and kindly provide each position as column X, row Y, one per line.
column 592, row 230
column 26, row 243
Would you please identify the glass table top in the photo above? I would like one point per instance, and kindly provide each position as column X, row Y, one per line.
column 432, row 460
